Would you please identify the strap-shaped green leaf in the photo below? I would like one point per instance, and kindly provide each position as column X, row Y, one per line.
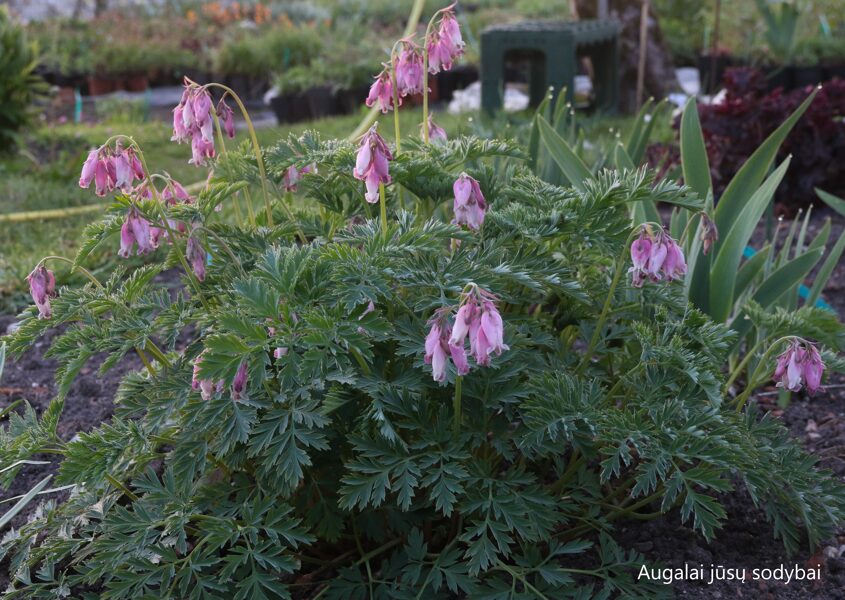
column 21, row 504
column 837, row 204
column 569, row 162
column 745, row 182
column 694, row 160
column 636, row 150
column 826, row 270
column 778, row 283
column 748, row 272
column 730, row 249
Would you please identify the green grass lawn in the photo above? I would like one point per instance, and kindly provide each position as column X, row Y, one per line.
column 45, row 177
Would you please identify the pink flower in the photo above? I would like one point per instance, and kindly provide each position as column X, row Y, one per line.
column 196, row 256
column 435, row 132
column 102, row 181
column 446, row 44
column 371, row 165
column 477, row 317
column 381, row 92
column 435, row 352
column 674, row 267
column 206, row 386
column 293, row 175
column 278, row 353
column 466, row 315
column 135, row 230
column 201, row 150
column 42, row 286
column 409, row 70
column 89, row 167
column 469, row 202
column 192, row 120
column 123, row 171
column 656, row 256
column 239, row 383
column 226, row 116
column 813, row 369
column 174, row 192
column 789, row 370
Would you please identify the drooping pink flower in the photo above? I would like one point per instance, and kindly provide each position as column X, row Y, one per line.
column 409, row 70
column 239, row 382
column 227, row 118
column 469, row 204
column 280, row 352
column 435, row 132
column 201, row 150
column 196, row 256
column 123, row 171
column 42, row 286
column 435, row 352
column 813, row 369
column 371, row 165
column 446, row 43
column 206, row 387
column 135, row 230
column 192, row 120
column 476, row 317
column 293, row 175
column 381, row 92
column 89, row 167
column 103, row 183
column 656, row 256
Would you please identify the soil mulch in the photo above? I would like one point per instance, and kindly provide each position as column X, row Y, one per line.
column 746, row 542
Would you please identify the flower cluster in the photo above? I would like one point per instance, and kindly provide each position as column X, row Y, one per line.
column 446, row 44
column 42, row 286
column 656, row 256
column 477, row 318
column 443, row 46
column 192, row 120
column 801, row 364
column 135, row 230
column 371, row 165
column 469, row 203
column 111, row 169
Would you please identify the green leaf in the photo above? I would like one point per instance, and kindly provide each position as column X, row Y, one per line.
column 693, row 151
column 729, row 251
column 569, row 162
column 21, row 504
column 636, row 146
column 745, row 182
column 826, row 270
column 834, row 202
column 749, row 271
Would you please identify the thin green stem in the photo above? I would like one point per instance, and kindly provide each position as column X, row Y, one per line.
column 383, row 209
column 739, row 368
column 395, row 104
column 225, row 247
column 516, row 575
column 594, row 340
column 268, row 209
column 456, row 405
column 364, row 556
column 127, row 492
column 160, row 206
column 74, row 267
column 752, row 384
column 238, row 215
column 146, row 362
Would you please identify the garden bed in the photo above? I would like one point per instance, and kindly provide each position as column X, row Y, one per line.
column 747, row 540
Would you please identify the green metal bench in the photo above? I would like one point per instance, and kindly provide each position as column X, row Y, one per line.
column 552, row 48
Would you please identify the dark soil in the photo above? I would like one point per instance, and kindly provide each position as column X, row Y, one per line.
column 746, row 542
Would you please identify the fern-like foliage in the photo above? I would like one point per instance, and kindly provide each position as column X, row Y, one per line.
column 342, row 469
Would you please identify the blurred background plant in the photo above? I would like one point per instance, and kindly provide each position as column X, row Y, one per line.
column 20, row 86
